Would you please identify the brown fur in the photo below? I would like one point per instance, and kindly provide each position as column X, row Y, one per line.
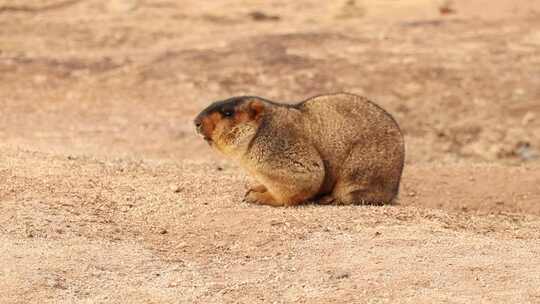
column 340, row 147
column 210, row 123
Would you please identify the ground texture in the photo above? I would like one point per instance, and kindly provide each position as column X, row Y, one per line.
column 108, row 196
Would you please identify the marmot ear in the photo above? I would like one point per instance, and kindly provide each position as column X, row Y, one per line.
column 256, row 109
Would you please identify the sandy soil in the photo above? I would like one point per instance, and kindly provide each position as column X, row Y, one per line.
column 108, row 196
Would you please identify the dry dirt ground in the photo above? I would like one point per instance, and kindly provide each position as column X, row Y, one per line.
column 107, row 195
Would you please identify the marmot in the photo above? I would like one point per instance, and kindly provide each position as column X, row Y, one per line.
column 338, row 148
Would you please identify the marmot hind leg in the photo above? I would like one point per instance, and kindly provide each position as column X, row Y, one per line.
column 358, row 195
column 366, row 181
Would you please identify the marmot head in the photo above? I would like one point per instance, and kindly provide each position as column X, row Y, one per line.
column 230, row 125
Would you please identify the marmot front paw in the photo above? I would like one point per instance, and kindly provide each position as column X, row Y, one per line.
column 257, row 188
column 249, row 197
column 253, row 196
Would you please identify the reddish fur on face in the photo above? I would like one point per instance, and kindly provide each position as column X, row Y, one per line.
column 249, row 112
column 209, row 124
column 256, row 108
column 241, row 117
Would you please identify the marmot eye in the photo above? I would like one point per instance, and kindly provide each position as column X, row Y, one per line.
column 228, row 113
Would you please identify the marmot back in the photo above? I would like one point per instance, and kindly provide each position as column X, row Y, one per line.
column 337, row 148
column 357, row 138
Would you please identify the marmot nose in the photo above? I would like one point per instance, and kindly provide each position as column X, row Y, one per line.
column 198, row 125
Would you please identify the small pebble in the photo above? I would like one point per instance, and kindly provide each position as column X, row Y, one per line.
column 340, row 275
column 260, row 16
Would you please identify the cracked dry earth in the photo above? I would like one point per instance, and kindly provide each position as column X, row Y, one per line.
column 108, row 196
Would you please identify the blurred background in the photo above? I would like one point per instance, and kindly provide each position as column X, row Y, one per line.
column 126, row 77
